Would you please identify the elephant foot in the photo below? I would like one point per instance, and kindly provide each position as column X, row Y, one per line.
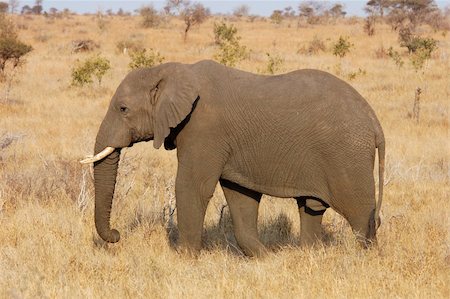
column 251, row 248
column 310, row 223
column 243, row 204
column 364, row 226
column 188, row 249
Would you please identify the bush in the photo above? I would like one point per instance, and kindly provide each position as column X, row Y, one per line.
column 231, row 52
column 95, row 66
column 414, row 43
column 223, row 32
column 359, row 72
column 84, row 45
column 381, row 52
column 396, row 57
column 369, row 25
column 274, row 64
column 342, row 47
column 129, row 46
column 423, row 53
column 143, row 59
column 314, row 47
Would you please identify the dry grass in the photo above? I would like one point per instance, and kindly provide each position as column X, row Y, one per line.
column 48, row 245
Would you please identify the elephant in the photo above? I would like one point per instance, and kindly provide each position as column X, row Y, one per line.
column 306, row 135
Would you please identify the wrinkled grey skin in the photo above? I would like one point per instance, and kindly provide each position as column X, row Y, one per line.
column 305, row 134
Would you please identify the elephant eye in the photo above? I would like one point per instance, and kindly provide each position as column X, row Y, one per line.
column 123, row 109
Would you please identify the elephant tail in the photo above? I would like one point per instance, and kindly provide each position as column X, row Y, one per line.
column 381, row 163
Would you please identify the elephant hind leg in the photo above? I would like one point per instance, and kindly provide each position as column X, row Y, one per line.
column 243, row 204
column 363, row 225
column 311, row 213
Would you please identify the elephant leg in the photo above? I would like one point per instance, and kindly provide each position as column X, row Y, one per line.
column 193, row 192
column 243, row 204
column 363, row 225
column 311, row 214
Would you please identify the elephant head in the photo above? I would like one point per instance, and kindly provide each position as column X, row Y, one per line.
column 146, row 105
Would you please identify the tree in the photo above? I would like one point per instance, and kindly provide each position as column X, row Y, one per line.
column 53, row 11
column 337, row 11
column 37, row 8
column 410, row 12
column 26, row 10
column 3, row 7
column 289, row 12
column 13, row 5
column 241, row 11
column 191, row 13
column 305, row 10
column 310, row 11
column 12, row 51
column 277, row 16
column 150, row 16
column 377, row 7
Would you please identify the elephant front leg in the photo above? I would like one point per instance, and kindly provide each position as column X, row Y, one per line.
column 244, row 205
column 311, row 214
column 193, row 192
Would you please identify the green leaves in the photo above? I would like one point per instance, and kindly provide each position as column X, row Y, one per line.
column 142, row 58
column 95, row 66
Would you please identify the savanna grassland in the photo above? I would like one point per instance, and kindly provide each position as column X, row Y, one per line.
column 48, row 243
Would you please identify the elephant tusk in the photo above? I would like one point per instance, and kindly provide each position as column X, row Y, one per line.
column 91, row 159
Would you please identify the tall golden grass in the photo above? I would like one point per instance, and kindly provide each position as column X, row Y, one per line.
column 48, row 244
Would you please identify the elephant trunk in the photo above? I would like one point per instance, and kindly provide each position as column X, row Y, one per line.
column 105, row 173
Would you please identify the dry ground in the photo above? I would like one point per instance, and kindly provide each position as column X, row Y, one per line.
column 48, row 245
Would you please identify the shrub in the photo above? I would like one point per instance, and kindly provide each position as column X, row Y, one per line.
column 84, row 45
column 396, row 57
column 315, row 46
column 7, row 28
column 353, row 75
column 274, row 64
column 129, row 46
column 422, row 54
column 381, row 52
column 95, row 66
column 419, row 48
column 342, row 47
column 414, row 43
column 369, row 25
column 231, row 53
column 223, row 32
column 143, row 59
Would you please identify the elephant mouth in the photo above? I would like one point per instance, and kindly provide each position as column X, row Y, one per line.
column 101, row 155
column 108, row 150
column 142, row 139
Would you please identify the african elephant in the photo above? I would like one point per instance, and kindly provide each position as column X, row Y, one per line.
column 304, row 134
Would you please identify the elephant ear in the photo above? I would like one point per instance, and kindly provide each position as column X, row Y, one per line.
column 178, row 90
